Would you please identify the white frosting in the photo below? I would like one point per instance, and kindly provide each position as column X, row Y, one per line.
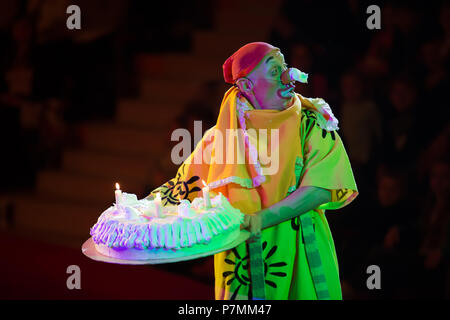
column 134, row 224
column 128, row 199
column 185, row 209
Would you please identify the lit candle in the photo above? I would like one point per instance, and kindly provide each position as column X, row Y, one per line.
column 158, row 206
column 118, row 194
column 206, row 198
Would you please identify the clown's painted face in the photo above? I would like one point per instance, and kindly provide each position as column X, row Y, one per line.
column 268, row 90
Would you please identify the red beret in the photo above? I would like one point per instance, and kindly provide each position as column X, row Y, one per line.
column 242, row 62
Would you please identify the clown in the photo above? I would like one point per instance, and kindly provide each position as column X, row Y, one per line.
column 291, row 252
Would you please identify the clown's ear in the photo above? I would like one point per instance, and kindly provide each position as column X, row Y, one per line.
column 244, row 85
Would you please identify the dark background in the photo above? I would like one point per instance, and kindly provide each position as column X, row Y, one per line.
column 83, row 109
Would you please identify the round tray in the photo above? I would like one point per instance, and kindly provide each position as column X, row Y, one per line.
column 89, row 250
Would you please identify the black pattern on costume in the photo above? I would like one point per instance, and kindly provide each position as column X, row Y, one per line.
column 177, row 189
column 239, row 273
column 241, row 266
column 311, row 119
column 295, row 224
column 340, row 193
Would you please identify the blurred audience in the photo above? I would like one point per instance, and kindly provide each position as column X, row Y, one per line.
column 202, row 108
column 434, row 230
column 389, row 237
column 404, row 129
column 361, row 128
column 301, row 57
column 388, row 88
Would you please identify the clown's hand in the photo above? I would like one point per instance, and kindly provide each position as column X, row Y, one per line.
column 299, row 202
column 252, row 222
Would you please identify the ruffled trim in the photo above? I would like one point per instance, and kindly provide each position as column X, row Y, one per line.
column 326, row 118
column 242, row 108
column 247, row 183
column 183, row 232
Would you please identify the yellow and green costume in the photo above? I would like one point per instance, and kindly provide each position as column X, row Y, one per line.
column 298, row 255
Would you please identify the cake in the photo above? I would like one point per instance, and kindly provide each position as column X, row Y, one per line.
column 135, row 230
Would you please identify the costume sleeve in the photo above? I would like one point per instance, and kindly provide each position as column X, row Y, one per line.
column 326, row 164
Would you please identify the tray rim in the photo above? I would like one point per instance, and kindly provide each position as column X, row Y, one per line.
column 88, row 249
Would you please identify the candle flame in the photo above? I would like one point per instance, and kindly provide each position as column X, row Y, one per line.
column 117, row 186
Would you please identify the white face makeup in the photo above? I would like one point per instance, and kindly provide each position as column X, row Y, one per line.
column 268, row 91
